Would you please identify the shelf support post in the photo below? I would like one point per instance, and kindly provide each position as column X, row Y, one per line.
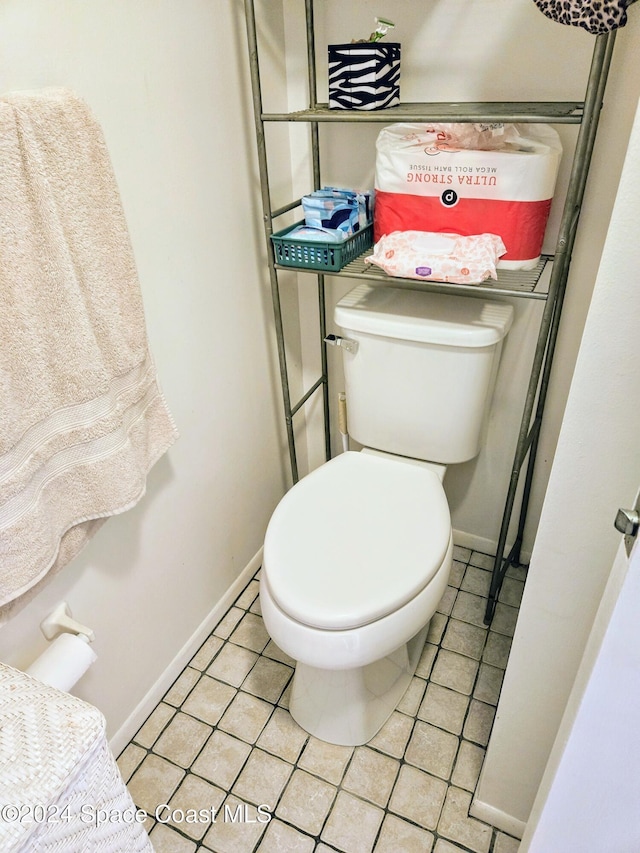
column 547, row 336
column 268, row 230
column 315, row 160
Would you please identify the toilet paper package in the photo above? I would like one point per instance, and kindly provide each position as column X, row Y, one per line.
column 469, row 179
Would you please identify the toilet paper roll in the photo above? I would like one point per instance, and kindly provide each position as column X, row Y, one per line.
column 64, row 663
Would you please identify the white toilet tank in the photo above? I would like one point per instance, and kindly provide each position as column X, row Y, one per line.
column 420, row 380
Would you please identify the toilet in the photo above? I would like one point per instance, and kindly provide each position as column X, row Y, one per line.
column 357, row 555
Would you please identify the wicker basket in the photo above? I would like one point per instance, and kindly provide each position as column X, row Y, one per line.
column 60, row 785
column 319, row 255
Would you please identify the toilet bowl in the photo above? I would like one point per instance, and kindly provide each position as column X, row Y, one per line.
column 357, row 554
column 356, row 558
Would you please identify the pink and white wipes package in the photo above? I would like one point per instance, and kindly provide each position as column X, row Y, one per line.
column 469, row 179
column 438, row 257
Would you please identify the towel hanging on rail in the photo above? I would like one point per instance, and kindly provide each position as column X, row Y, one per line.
column 596, row 16
column 82, row 419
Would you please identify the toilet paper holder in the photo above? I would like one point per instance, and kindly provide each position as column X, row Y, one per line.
column 60, row 621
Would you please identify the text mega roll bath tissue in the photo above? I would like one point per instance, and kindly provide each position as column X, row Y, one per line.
column 64, row 662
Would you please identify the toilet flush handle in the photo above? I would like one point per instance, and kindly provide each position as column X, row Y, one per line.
column 345, row 343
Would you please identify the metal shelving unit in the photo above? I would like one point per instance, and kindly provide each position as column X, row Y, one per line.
column 528, row 285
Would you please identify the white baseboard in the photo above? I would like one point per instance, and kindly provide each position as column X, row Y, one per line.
column 485, row 546
column 499, row 819
column 474, row 543
column 153, row 696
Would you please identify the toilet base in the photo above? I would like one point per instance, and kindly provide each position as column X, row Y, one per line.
column 349, row 706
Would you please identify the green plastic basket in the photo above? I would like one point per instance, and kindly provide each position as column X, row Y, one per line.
column 317, row 255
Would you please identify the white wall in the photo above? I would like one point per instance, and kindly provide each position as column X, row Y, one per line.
column 168, row 82
column 596, row 470
column 588, row 799
column 492, row 50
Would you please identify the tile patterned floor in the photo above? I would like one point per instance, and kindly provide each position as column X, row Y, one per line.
column 221, row 744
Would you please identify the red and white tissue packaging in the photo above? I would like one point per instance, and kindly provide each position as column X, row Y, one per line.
column 469, row 179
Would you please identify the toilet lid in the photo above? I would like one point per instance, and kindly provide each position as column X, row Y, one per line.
column 355, row 540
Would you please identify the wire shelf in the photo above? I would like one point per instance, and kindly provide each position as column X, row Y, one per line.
column 531, row 284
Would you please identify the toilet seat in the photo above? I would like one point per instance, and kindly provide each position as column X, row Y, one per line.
column 356, row 540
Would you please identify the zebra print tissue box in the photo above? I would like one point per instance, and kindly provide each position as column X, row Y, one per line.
column 364, row 76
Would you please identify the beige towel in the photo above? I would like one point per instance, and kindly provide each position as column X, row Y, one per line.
column 82, row 419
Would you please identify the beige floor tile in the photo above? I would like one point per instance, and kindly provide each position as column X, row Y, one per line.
column 477, row 726
column 155, row 723
column 154, row 782
column 371, row 775
column 464, row 638
column 246, row 717
column 455, row 671
column 468, row 765
column 228, row 623
column 496, row 652
column 232, row 664
column 182, row 740
column 306, row 802
column 457, row 573
column 280, row 838
column 208, row 700
column 222, row 759
column 275, row 653
column 282, row 736
column 511, row 592
column 262, row 779
column 488, row 685
column 194, row 807
column 326, row 760
column 443, row 846
column 470, row 608
column 249, row 595
column 182, row 686
column 461, row 554
column 504, row 620
column 283, row 701
column 432, row 749
column 237, row 829
column 393, row 737
column 445, row 604
column 506, row 844
column 436, row 628
column 206, row 652
column 425, row 664
column 353, row 825
column 444, row 708
column 267, row 679
column 518, row 572
column 167, row 840
column 400, row 836
column 456, row 824
column 414, row 695
column 483, row 561
column 129, row 759
column 476, row 581
column 251, row 633
column 418, row 797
